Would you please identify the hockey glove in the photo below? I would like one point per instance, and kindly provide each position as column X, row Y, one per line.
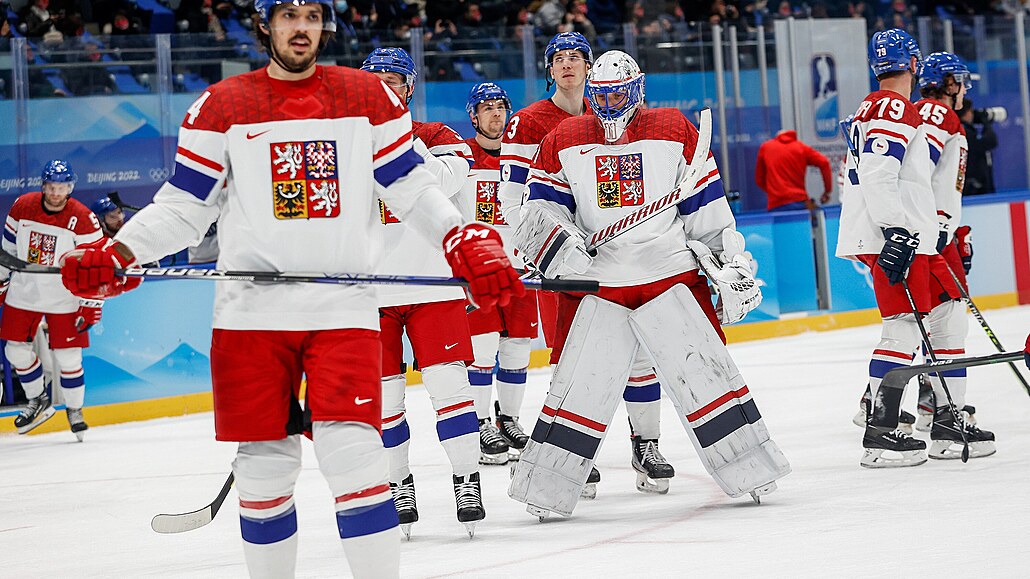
column 474, row 252
column 552, row 243
column 88, row 272
column 899, row 249
column 88, row 314
column 942, row 241
column 964, row 240
column 732, row 276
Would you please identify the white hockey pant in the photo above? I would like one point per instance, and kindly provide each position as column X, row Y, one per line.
column 27, row 366
column 696, row 372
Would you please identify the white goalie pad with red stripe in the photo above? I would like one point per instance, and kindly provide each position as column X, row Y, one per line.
column 713, row 402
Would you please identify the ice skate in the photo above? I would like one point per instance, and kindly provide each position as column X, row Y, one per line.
column 77, row 423
column 512, row 433
column 404, row 500
column 469, row 499
column 926, row 405
column 538, row 512
column 905, row 421
column 590, row 490
column 653, row 471
column 946, row 438
column 904, row 450
column 757, row 494
column 492, row 447
column 863, row 409
column 36, row 412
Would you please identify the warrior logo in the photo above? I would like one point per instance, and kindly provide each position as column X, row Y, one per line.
column 619, row 180
column 488, row 208
column 304, row 180
column 42, row 247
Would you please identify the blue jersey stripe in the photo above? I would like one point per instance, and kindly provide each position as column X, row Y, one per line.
column 695, row 202
column 10, row 236
column 455, row 426
column 879, row 368
column 894, row 148
column 935, row 155
column 267, row 531
column 647, row 393
column 192, row 181
column 518, row 174
column 393, row 437
column 545, row 192
column 397, row 168
column 367, row 520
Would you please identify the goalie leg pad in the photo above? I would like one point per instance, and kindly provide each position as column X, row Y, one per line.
column 714, row 404
column 585, row 391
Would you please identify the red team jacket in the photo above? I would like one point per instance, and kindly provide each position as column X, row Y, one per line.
column 782, row 164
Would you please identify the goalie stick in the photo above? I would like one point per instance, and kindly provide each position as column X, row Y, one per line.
column 673, row 198
column 983, row 324
column 898, row 377
column 563, row 285
column 182, row 522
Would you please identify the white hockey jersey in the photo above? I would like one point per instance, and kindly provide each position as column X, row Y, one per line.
column 409, row 253
column 888, row 183
column 594, row 184
column 947, row 140
column 479, row 200
column 39, row 236
column 305, row 163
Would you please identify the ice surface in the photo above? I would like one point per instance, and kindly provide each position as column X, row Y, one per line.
column 73, row 510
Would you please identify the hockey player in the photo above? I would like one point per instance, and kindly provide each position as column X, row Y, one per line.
column 41, row 227
column 305, row 151
column 567, row 60
column 111, row 216
column 942, row 84
column 653, row 309
column 500, row 336
column 434, row 318
column 888, row 222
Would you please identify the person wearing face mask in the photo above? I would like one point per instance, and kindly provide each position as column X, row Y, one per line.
column 290, row 160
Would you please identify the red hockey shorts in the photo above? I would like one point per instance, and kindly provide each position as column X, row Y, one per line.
column 548, row 305
column 438, row 332
column 256, row 373
column 633, row 297
column 891, row 299
column 515, row 320
column 21, row 325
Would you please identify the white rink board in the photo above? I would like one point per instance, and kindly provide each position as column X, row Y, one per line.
column 84, row 510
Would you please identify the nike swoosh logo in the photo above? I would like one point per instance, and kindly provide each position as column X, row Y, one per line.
column 360, row 401
column 585, row 151
column 255, row 135
column 450, row 346
column 71, row 339
column 533, row 325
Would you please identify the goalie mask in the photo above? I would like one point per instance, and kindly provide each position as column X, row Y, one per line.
column 615, row 89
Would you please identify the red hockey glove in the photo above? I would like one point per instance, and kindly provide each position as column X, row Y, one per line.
column 474, row 252
column 88, row 272
column 88, row 314
column 965, row 247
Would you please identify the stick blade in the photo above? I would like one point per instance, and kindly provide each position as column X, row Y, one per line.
column 169, row 524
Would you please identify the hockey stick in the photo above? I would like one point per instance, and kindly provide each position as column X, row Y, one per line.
column 676, row 196
column 898, row 377
column 182, row 522
column 940, row 375
column 983, row 324
column 116, row 198
column 562, row 285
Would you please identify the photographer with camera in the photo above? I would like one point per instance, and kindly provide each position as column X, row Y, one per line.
column 979, row 126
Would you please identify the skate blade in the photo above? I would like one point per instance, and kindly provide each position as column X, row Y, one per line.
column 406, row 529
column 80, row 435
column 874, row 458
column 514, row 454
column 951, row 450
column 758, row 493
column 646, row 484
column 499, row 458
column 43, row 417
column 470, row 528
column 537, row 512
column 589, row 491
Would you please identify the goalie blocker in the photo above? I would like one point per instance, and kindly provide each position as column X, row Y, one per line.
column 695, row 370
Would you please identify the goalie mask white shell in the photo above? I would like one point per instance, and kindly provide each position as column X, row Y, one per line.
column 615, row 89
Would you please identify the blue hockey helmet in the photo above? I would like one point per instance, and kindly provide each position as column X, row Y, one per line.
column 264, row 10
column 58, row 171
column 102, row 207
column 892, row 51
column 567, row 41
column 940, row 64
column 392, row 59
column 486, row 91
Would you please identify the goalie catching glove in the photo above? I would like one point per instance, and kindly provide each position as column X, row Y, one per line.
column 731, row 274
column 474, row 252
column 88, row 272
column 551, row 243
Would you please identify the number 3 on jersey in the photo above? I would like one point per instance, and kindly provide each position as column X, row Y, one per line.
column 513, row 125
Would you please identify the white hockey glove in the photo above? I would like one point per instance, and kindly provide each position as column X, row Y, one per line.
column 732, row 275
column 551, row 243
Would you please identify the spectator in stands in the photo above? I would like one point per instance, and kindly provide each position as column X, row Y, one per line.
column 607, row 15
column 981, row 139
column 780, row 171
column 549, row 16
column 576, row 21
column 90, row 77
column 38, row 22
